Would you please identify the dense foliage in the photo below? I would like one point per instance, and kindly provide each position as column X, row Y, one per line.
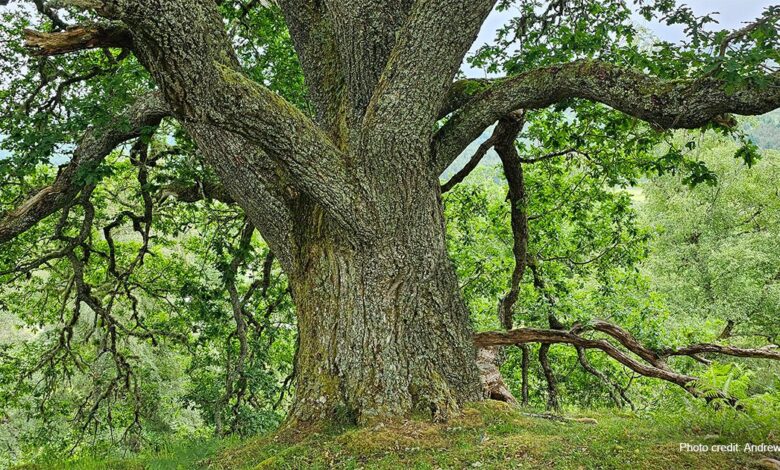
column 669, row 277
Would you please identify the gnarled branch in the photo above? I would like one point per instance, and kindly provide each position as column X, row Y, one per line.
column 96, row 144
column 656, row 366
column 666, row 104
column 506, row 132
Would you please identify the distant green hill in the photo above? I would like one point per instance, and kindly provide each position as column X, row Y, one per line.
column 764, row 130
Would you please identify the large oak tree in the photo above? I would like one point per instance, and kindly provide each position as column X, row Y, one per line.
column 346, row 191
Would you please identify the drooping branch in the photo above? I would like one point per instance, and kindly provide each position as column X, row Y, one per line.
column 615, row 332
column 534, row 335
column 666, row 104
column 503, row 139
column 507, row 130
column 493, row 141
column 77, row 38
column 97, row 143
column 235, row 377
column 626, row 339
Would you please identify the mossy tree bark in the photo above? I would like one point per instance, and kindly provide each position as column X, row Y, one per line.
column 349, row 199
column 382, row 327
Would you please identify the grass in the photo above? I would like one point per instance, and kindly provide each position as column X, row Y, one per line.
column 185, row 455
column 487, row 435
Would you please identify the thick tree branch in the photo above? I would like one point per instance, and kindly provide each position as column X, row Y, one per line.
column 626, row 339
column 316, row 48
column 667, row 104
column 314, row 164
column 365, row 34
column 96, row 144
column 250, row 179
column 190, row 57
column 77, row 39
column 426, row 57
column 533, row 335
column 461, row 92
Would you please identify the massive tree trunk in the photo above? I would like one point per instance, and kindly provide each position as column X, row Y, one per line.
column 382, row 327
column 349, row 199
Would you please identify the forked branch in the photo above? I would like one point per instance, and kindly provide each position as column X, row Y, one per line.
column 653, row 364
column 96, row 144
column 665, row 104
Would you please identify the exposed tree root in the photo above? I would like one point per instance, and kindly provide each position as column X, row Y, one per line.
column 555, row 417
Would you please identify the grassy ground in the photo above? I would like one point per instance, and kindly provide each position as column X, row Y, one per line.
column 488, row 435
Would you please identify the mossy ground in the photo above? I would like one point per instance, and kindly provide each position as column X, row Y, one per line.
column 487, row 435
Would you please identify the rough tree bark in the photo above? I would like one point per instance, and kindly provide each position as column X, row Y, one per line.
column 349, row 200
